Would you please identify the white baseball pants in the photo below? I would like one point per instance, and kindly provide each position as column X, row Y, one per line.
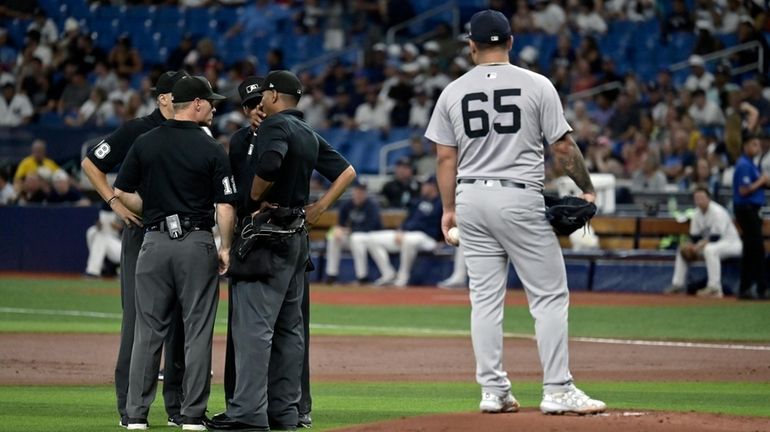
column 713, row 254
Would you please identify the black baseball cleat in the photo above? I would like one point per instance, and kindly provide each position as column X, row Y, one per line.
column 123, row 422
column 221, row 422
column 175, row 420
column 304, row 421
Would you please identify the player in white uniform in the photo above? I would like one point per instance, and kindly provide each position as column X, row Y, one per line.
column 715, row 238
column 490, row 126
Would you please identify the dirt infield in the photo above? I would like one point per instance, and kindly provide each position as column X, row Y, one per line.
column 89, row 359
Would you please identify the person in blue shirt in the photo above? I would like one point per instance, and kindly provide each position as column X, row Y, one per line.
column 357, row 216
column 419, row 232
column 748, row 199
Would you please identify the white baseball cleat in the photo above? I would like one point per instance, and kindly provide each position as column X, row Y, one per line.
column 571, row 401
column 137, row 426
column 492, row 404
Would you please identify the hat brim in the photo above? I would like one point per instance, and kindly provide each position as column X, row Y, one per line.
column 216, row 96
column 257, row 94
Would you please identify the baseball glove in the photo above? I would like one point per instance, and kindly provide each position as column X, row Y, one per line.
column 569, row 214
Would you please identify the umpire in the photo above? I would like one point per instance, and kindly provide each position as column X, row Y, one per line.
column 241, row 149
column 182, row 173
column 267, row 317
column 100, row 160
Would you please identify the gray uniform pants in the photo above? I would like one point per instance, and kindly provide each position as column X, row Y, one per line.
column 501, row 223
column 269, row 342
column 170, row 271
column 174, row 358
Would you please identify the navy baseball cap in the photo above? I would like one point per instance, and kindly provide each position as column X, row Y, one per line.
column 190, row 88
column 167, row 80
column 490, row 26
column 249, row 88
column 282, row 81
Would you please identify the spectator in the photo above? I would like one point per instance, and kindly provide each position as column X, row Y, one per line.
column 8, row 53
column 677, row 157
column 422, row 107
column 649, row 178
column 706, row 43
column 632, row 10
column 343, row 112
column 34, row 48
column 87, row 55
column 76, row 92
column 435, row 80
column 548, row 16
column 587, row 20
column 104, row 77
column 753, row 93
column 124, row 58
column 7, row 193
column 700, row 78
column 741, row 118
column 747, row 32
column 64, row 192
column 359, row 215
column 705, row 112
column 400, row 191
column 36, row 163
column 563, row 55
column 713, row 237
column 419, row 232
column 315, row 105
column 423, row 162
column 123, row 90
column 373, row 114
column 103, row 240
column 33, row 189
column 49, row 33
column 705, row 177
column 96, row 111
column 678, row 20
column 748, row 199
column 15, row 108
column 588, row 50
column 721, row 87
column 178, row 55
column 625, row 120
column 522, row 20
column 731, row 17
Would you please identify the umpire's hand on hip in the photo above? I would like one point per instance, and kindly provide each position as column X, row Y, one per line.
column 224, row 260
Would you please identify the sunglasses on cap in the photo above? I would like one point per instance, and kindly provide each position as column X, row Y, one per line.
column 252, row 103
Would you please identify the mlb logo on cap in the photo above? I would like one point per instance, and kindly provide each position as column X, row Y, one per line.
column 490, row 26
column 252, row 88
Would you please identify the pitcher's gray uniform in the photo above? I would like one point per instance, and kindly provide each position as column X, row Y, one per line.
column 497, row 116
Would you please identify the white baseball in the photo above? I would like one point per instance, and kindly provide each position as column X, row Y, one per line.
column 454, row 235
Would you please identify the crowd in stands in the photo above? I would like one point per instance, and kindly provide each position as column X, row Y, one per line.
column 668, row 132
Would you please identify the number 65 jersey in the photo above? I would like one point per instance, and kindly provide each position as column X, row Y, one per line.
column 498, row 116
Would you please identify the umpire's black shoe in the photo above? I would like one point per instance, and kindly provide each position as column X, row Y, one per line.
column 123, row 422
column 304, row 421
column 175, row 420
column 221, row 422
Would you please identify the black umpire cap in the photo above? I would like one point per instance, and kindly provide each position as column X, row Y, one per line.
column 166, row 81
column 490, row 26
column 283, row 81
column 249, row 88
column 193, row 87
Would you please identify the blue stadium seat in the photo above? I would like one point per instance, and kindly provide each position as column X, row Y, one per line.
column 168, row 15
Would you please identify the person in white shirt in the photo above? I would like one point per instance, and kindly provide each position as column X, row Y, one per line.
column 15, row 108
column 373, row 114
column 705, row 112
column 49, row 32
column 714, row 238
column 7, row 192
column 419, row 113
column 549, row 16
column 103, row 240
column 588, row 20
column 700, row 77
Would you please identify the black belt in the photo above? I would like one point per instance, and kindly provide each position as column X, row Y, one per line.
column 161, row 227
column 494, row 182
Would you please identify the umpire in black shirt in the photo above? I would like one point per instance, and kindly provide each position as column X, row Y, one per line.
column 241, row 149
column 101, row 159
column 181, row 173
column 267, row 315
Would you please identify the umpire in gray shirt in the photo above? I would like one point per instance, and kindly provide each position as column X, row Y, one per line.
column 182, row 172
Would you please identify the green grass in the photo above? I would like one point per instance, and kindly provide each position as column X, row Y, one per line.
column 84, row 409
column 729, row 321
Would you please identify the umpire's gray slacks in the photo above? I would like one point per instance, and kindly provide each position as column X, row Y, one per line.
column 269, row 342
column 501, row 223
column 170, row 271
column 174, row 344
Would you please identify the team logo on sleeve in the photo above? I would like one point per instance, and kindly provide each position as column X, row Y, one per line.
column 102, row 150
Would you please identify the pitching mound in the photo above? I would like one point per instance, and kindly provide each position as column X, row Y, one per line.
column 531, row 420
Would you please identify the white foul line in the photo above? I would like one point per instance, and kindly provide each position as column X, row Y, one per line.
column 422, row 331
